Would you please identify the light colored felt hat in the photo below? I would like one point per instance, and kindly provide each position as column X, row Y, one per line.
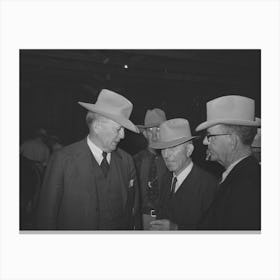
column 113, row 106
column 153, row 118
column 172, row 133
column 257, row 140
column 230, row 109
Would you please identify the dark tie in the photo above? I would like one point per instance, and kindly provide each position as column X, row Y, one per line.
column 172, row 190
column 104, row 164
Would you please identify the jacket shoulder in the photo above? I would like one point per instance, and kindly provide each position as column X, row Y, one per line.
column 72, row 150
column 124, row 155
column 205, row 174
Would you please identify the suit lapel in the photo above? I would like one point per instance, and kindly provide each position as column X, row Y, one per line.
column 190, row 180
column 116, row 160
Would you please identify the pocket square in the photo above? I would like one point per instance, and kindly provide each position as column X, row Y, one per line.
column 131, row 182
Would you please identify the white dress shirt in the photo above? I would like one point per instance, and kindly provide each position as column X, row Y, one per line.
column 97, row 152
column 182, row 176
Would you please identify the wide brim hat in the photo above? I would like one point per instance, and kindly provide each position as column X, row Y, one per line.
column 172, row 133
column 230, row 109
column 153, row 118
column 113, row 106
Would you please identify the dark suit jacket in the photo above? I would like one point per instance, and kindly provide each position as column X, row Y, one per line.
column 190, row 201
column 238, row 203
column 143, row 161
column 69, row 198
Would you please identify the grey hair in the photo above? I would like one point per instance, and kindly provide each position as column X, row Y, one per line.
column 92, row 117
column 245, row 133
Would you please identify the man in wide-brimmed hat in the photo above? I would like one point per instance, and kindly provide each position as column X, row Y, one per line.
column 187, row 190
column 91, row 184
column 150, row 166
column 230, row 130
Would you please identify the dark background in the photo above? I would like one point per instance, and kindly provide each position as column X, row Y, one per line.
column 178, row 81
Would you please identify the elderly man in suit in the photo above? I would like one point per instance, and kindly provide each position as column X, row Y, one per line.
column 91, row 184
column 150, row 166
column 187, row 190
column 231, row 127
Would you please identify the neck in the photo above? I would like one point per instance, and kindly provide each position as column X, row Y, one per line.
column 153, row 151
column 95, row 142
column 236, row 155
column 177, row 172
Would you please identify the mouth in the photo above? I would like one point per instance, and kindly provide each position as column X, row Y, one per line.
column 208, row 155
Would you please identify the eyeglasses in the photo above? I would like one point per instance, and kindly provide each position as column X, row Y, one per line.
column 208, row 136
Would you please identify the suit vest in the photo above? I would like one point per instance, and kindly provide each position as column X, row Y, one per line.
column 110, row 204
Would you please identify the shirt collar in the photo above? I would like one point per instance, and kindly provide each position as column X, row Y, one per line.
column 228, row 170
column 97, row 152
column 182, row 176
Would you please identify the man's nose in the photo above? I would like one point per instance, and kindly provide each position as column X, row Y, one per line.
column 154, row 136
column 205, row 141
column 165, row 153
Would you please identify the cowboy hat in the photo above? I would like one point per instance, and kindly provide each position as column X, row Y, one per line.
column 172, row 133
column 113, row 106
column 153, row 118
column 230, row 109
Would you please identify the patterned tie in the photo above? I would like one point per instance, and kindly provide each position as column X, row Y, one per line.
column 173, row 185
column 104, row 164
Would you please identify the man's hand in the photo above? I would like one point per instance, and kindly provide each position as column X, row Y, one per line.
column 163, row 225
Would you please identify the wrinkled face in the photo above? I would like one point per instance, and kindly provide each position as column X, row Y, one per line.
column 218, row 144
column 151, row 134
column 176, row 158
column 108, row 134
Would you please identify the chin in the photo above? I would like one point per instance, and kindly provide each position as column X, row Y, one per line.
column 171, row 168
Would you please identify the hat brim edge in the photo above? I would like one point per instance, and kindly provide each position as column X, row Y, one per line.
column 173, row 143
column 208, row 124
column 122, row 121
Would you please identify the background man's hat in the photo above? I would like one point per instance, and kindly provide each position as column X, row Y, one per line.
column 257, row 140
column 153, row 118
column 113, row 106
column 231, row 109
column 172, row 133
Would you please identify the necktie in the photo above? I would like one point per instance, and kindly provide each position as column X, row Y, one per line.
column 173, row 185
column 104, row 164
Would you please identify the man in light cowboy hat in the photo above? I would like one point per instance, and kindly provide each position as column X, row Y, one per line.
column 231, row 128
column 186, row 191
column 150, row 166
column 90, row 185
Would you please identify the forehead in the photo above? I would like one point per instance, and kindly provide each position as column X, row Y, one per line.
column 177, row 148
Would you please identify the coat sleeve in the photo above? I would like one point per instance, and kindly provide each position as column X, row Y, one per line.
column 51, row 194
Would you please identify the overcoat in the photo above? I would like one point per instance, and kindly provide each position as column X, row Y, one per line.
column 193, row 198
column 71, row 193
column 237, row 205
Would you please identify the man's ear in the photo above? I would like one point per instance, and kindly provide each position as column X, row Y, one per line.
column 190, row 148
column 96, row 125
column 234, row 141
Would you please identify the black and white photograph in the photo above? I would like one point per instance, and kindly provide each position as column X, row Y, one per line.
column 139, row 140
